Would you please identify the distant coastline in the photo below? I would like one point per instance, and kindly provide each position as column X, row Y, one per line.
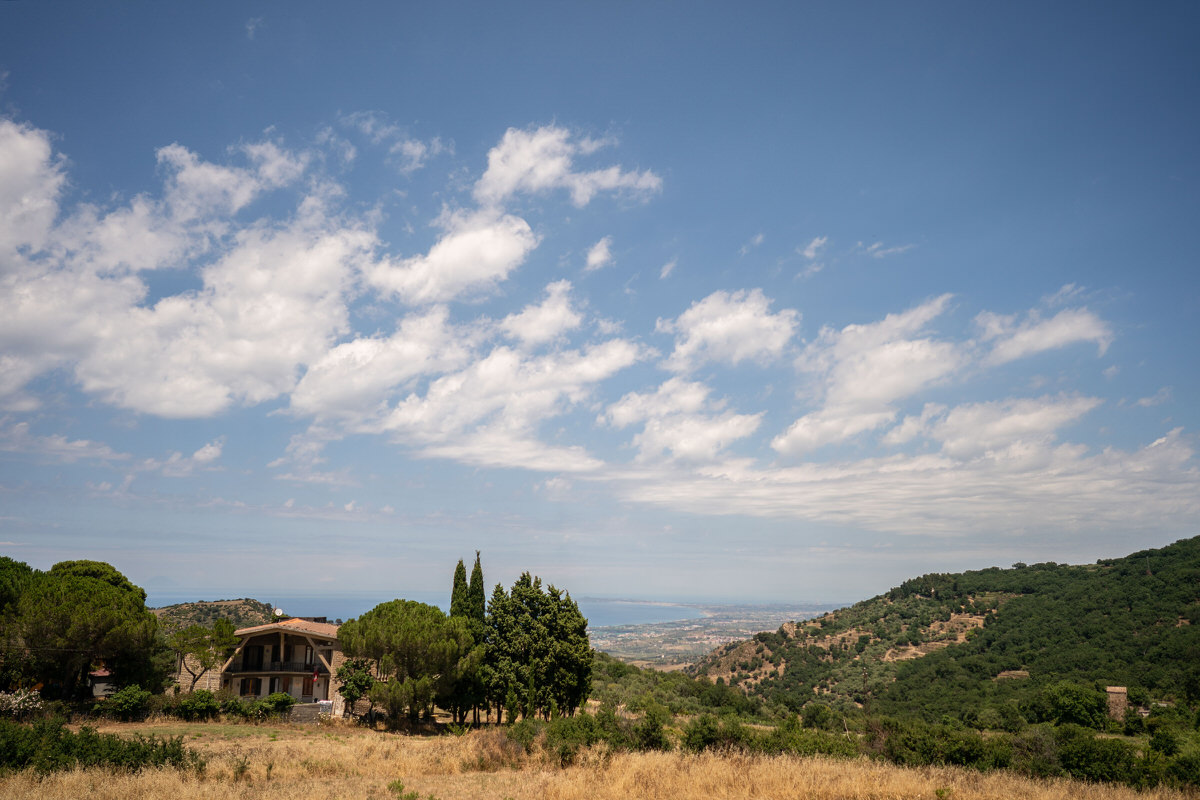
column 600, row 612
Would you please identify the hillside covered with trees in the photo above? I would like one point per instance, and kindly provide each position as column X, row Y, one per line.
column 985, row 644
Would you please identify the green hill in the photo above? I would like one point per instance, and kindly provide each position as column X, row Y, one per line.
column 242, row 613
column 987, row 641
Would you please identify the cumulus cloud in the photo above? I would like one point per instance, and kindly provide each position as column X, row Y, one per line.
column 31, row 180
column 861, row 370
column 547, row 321
column 729, row 327
column 977, row 428
column 489, row 412
column 177, row 465
column 355, row 380
column 679, row 421
column 476, row 251
column 1012, row 339
column 542, row 159
column 599, row 255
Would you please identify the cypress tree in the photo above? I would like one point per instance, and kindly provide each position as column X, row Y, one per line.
column 460, row 605
column 475, row 592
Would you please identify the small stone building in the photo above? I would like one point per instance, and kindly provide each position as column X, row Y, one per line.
column 1118, row 701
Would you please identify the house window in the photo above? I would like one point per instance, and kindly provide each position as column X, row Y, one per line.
column 274, row 685
column 308, row 655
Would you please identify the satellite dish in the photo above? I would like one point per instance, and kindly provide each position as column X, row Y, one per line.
column 279, row 612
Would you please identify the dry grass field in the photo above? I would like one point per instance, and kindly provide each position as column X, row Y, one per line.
column 291, row 762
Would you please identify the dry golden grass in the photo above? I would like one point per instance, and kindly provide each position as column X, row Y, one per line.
column 293, row 763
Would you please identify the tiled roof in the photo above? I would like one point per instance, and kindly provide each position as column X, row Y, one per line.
column 293, row 625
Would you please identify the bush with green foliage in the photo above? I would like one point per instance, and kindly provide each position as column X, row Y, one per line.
column 130, row 703
column 277, row 704
column 199, row 705
column 48, row 746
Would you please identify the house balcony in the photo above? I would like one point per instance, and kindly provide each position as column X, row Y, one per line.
column 296, row 667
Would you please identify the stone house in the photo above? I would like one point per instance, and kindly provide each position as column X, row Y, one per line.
column 296, row 656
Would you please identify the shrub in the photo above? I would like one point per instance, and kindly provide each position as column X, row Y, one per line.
column 132, row 702
column 199, row 705
column 277, row 704
column 565, row 736
column 1084, row 756
column 708, row 733
column 48, row 746
column 817, row 715
column 649, row 733
column 791, row 738
column 526, row 732
column 21, row 704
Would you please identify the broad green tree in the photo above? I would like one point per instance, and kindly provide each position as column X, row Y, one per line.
column 85, row 614
column 201, row 649
column 538, row 656
column 417, row 650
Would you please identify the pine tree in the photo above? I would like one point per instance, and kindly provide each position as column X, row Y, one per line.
column 459, row 598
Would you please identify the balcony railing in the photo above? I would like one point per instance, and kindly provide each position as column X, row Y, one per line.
column 280, row 666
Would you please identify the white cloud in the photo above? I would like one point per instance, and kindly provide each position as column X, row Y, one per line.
column 272, row 303
column 489, row 412
column 177, row 465
column 412, row 154
column 754, row 242
column 675, row 396
column 680, row 422
column 405, row 153
column 541, row 159
column 355, row 380
column 476, row 251
column 813, row 248
column 31, row 180
column 17, row 438
column 978, row 428
column 209, row 452
column 547, row 321
column 1013, row 340
column 877, row 250
column 252, row 26
column 862, row 369
column 729, row 327
column 1163, row 395
column 1038, row 488
column 599, row 255
column 667, row 269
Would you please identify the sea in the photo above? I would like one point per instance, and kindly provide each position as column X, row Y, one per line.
column 600, row 612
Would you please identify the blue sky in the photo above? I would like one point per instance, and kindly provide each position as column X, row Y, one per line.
column 787, row 302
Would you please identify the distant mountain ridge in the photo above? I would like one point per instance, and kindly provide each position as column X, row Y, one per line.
column 954, row 644
column 243, row 612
